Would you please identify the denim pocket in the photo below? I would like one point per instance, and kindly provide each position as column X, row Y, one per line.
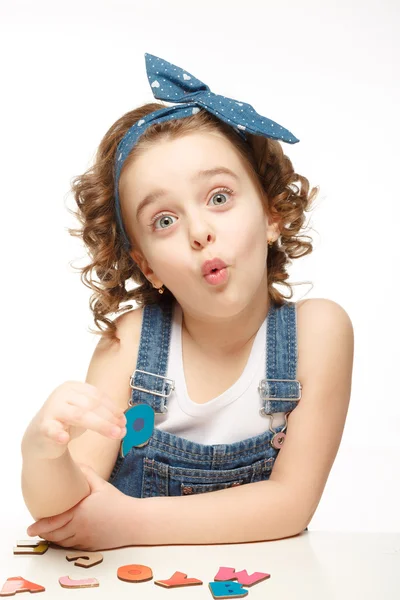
column 161, row 479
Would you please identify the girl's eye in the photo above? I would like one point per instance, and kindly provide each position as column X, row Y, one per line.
column 163, row 217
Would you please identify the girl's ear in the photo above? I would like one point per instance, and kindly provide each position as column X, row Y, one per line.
column 137, row 257
column 143, row 265
column 273, row 229
column 140, row 260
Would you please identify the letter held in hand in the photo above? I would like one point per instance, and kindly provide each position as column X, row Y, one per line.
column 139, row 427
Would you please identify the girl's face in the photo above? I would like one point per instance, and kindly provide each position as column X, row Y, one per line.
column 194, row 217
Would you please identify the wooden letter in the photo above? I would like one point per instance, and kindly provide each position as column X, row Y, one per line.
column 135, row 573
column 85, row 559
column 19, row 584
column 227, row 574
column 178, row 579
column 31, row 547
column 228, row 589
column 66, row 582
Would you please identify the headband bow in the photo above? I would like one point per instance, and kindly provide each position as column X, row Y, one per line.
column 170, row 83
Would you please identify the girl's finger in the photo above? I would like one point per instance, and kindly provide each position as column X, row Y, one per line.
column 48, row 524
column 91, row 405
column 69, row 542
column 57, row 535
column 89, row 390
column 55, row 431
column 77, row 417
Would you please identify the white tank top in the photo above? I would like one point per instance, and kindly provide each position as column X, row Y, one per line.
column 232, row 416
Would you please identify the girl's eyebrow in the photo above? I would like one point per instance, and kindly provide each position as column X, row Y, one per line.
column 153, row 196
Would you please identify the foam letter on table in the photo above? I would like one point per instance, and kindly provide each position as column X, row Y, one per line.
column 178, row 579
column 85, row 559
column 19, row 584
column 66, row 582
column 227, row 574
column 135, row 573
column 31, row 547
column 228, row 589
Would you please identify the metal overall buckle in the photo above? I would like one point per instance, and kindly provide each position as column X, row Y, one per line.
column 135, row 387
column 261, row 389
column 278, row 437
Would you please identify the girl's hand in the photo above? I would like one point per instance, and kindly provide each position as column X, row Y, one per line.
column 98, row 522
column 71, row 409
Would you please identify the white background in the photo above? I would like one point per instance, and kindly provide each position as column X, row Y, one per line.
column 328, row 72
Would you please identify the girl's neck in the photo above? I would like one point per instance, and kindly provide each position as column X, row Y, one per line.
column 227, row 338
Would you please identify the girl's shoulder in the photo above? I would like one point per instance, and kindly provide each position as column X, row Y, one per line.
column 311, row 310
column 318, row 318
column 308, row 306
column 113, row 362
column 129, row 326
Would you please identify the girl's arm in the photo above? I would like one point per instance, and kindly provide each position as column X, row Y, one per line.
column 253, row 512
column 53, row 486
column 50, row 486
column 284, row 505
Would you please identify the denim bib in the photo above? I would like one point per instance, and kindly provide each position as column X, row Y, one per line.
column 169, row 465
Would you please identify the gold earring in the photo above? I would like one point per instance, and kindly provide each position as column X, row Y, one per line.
column 160, row 289
column 270, row 242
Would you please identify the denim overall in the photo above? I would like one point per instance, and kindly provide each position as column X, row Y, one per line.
column 168, row 465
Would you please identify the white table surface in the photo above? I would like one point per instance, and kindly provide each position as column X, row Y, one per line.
column 315, row 565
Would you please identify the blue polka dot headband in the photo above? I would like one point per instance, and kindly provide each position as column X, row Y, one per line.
column 172, row 84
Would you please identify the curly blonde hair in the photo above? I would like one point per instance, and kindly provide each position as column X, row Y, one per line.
column 284, row 202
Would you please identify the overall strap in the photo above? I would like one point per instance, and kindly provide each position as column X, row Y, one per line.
column 148, row 382
column 280, row 391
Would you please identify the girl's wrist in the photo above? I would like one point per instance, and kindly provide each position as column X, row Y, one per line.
column 34, row 445
column 131, row 521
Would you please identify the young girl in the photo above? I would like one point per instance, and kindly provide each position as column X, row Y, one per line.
column 213, row 411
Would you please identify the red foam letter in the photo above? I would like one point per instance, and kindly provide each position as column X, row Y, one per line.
column 19, row 584
column 135, row 573
column 178, row 579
